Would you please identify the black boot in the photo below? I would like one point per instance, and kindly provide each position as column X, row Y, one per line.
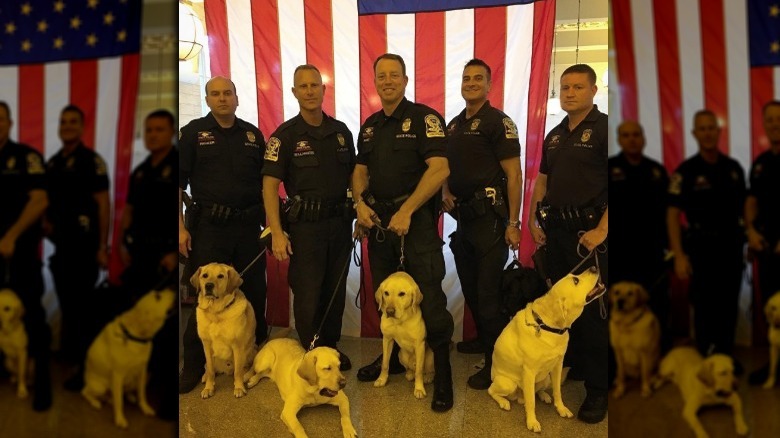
column 442, row 381
column 481, row 380
column 594, row 408
column 759, row 376
column 473, row 346
column 371, row 372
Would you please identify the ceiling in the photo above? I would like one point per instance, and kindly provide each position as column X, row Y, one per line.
column 593, row 31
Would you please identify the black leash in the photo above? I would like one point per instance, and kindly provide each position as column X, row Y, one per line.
column 599, row 249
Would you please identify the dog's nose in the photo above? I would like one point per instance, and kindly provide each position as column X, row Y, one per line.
column 620, row 304
column 723, row 393
column 593, row 269
column 390, row 311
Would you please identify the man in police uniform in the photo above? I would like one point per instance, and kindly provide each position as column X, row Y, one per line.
column 23, row 197
column 402, row 148
column 305, row 152
column 710, row 189
column 483, row 192
column 762, row 216
column 221, row 161
column 77, row 224
column 570, row 198
column 149, row 248
column 638, row 187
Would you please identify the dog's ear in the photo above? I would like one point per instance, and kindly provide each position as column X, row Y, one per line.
column 642, row 293
column 194, row 280
column 379, row 296
column 234, row 279
column 705, row 374
column 308, row 368
column 417, row 297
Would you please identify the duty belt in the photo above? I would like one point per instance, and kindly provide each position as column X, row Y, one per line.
column 573, row 218
column 220, row 214
column 316, row 209
column 384, row 207
column 482, row 201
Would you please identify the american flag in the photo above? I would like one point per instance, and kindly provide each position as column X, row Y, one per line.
column 54, row 53
column 259, row 43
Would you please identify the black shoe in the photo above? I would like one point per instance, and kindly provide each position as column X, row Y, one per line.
column 346, row 364
column 42, row 388
column 442, row 380
column 76, row 382
column 371, row 372
column 188, row 381
column 481, row 380
column 473, row 346
column 759, row 376
column 594, row 408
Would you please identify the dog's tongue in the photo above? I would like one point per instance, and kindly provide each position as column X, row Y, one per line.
column 597, row 291
column 328, row 393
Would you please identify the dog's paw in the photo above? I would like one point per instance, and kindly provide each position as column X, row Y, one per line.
column 419, row 392
column 545, row 397
column 504, row 404
column 647, row 391
column 239, row 391
column 410, row 376
column 619, row 391
column 770, row 383
column 533, row 425
column 206, row 393
column 742, row 428
column 380, row 381
column 563, row 411
column 121, row 421
column 21, row 392
column 348, row 429
column 146, row 409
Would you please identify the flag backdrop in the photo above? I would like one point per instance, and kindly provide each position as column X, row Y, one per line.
column 258, row 44
column 86, row 53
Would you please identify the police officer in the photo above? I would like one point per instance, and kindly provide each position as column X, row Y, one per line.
column 710, row 189
column 402, row 148
column 23, row 197
column 304, row 152
column 483, row 192
column 638, row 187
column 221, row 160
column 762, row 215
column 149, row 249
column 571, row 191
column 78, row 214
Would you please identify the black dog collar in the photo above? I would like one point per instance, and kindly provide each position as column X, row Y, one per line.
column 130, row 336
column 543, row 326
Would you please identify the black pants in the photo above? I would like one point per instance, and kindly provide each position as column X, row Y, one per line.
column 589, row 335
column 320, row 251
column 714, row 291
column 768, row 273
column 480, row 256
column 424, row 262
column 75, row 270
column 234, row 243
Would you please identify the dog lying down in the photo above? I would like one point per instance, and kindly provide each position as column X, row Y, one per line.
column 304, row 379
column 531, row 347
column 772, row 311
column 13, row 340
column 703, row 382
column 118, row 357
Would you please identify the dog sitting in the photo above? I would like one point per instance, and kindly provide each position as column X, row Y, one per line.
column 13, row 340
column 703, row 382
column 634, row 333
column 117, row 359
column 303, row 379
column 531, row 347
column 772, row 311
column 226, row 325
column 399, row 300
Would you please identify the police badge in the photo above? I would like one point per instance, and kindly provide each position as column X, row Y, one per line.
column 406, row 125
column 586, row 135
column 340, row 138
column 11, row 163
column 475, row 124
column 166, row 172
column 250, row 136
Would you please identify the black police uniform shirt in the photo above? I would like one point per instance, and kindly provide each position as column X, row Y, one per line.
column 575, row 162
column 475, row 148
column 21, row 171
column 73, row 181
column 712, row 196
column 765, row 186
column 395, row 147
column 151, row 189
column 315, row 162
column 222, row 165
column 638, row 193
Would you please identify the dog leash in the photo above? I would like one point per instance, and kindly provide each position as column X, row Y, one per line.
column 599, row 249
column 381, row 231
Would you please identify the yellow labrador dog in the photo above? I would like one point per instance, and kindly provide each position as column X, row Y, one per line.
column 399, row 300
column 119, row 355
column 303, row 379
column 226, row 325
column 772, row 310
column 13, row 340
column 532, row 345
column 635, row 334
column 703, row 382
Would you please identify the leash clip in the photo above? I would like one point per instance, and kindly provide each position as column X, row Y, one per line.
column 313, row 341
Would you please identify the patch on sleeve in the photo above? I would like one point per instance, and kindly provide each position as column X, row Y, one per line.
column 272, row 149
column 34, row 164
column 433, row 126
column 510, row 130
column 675, row 184
column 100, row 166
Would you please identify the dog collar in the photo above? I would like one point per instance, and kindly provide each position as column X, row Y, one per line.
column 541, row 325
column 130, row 336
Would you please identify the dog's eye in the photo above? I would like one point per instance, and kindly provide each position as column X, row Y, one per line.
column 327, row 368
column 7, row 308
column 576, row 280
column 387, row 294
column 402, row 294
column 204, row 276
column 221, row 276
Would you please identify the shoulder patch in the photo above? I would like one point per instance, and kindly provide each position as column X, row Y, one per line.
column 675, row 184
column 272, row 149
column 510, row 130
column 433, row 126
column 34, row 164
column 100, row 166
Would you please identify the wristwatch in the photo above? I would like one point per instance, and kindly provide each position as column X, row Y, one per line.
column 515, row 224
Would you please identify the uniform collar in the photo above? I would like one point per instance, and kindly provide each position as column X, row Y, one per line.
column 211, row 122
column 592, row 116
column 400, row 109
column 485, row 106
column 326, row 128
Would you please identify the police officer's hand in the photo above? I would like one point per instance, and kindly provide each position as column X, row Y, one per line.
column 102, row 257
column 512, row 237
column 399, row 223
column 366, row 215
column 448, row 202
column 185, row 242
column 593, row 238
column 169, row 262
column 280, row 246
column 538, row 234
column 756, row 241
column 359, row 232
column 7, row 247
column 682, row 266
